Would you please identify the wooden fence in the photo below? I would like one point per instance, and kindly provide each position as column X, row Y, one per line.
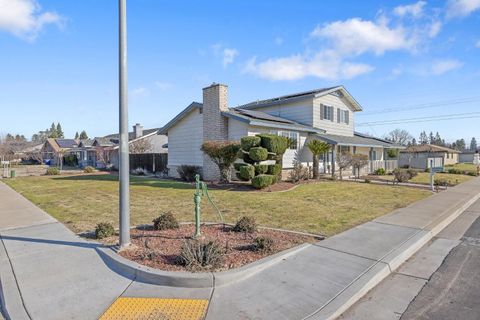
column 152, row 162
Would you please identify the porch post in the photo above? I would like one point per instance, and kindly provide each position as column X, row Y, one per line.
column 334, row 158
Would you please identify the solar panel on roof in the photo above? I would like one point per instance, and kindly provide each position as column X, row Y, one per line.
column 66, row 143
column 263, row 116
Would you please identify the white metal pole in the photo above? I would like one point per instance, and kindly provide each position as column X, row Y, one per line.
column 124, row 178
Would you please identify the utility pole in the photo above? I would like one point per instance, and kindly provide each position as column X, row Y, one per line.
column 124, row 178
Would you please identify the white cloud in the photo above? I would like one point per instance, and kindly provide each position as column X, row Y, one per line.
column 415, row 10
column 434, row 29
column 461, row 8
column 140, row 92
column 163, row 86
column 326, row 65
column 25, row 19
column 357, row 36
column 229, row 55
column 440, row 67
column 278, row 41
column 477, row 44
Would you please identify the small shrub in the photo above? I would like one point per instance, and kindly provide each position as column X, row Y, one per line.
column 471, row 173
column 245, row 224
column 261, row 169
column 165, row 221
column 263, row 180
column 299, row 172
column 246, row 173
column 368, row 181
column 89, row 169
column 379, row 172
column 412, row 173
column 427, row 170
column 274, row 169
column 139, row 172
column 198, row 255
column 188, row 172
column 392, row 153
column 249, row 142
column 52, row 171
column 223, row 154
column 104, row 230
column 440, row 182
column 263, row 244
column 258, row 154
column 401, row 175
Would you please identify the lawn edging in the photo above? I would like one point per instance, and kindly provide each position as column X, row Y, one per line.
column 183, row 279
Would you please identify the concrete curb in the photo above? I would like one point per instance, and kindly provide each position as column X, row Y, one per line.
column 149, row 275
column 390, row 262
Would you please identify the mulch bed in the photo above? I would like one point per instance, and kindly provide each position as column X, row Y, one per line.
column 238, row 247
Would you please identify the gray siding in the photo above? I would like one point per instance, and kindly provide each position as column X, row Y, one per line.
column 333, row 127
column 300, row 111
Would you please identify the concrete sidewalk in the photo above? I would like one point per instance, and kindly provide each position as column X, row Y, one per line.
column 47, row 272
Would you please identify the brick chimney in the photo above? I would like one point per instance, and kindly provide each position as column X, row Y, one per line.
column 215, row 126
column 137, row 130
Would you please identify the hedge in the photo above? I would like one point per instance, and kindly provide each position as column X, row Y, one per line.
column 274, row 143
column 274, row 169
column 246, row 173
column 261, row 169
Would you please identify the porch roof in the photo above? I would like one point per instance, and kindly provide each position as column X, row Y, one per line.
column 357, row 140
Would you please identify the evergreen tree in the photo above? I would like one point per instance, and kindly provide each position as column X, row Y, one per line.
column 76, row 135
column 438, row 140
column 83, row 135
column 414, row 142
column 431, row 138
column 423, row 138
column 59, row 131
column 473, row 144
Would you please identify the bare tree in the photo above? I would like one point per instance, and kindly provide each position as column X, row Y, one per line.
column 358, row 162
column 344, row 161
column 399, row 136
column 140, row 146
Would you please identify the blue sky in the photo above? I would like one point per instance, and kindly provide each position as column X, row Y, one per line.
column 58, row 59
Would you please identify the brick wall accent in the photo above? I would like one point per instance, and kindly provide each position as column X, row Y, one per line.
column 215, row 126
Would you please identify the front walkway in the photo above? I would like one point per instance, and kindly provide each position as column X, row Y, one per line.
column 47, row 272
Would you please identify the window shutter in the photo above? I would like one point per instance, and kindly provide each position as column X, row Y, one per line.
column 347, row 117
column 322, row 112
column 331, row 113
column 338, row 115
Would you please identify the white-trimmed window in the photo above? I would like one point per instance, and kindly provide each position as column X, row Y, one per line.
column 292, row 136
column 326, row 112
column 343, row 116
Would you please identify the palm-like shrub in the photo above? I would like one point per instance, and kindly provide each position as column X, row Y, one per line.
column 317, row 148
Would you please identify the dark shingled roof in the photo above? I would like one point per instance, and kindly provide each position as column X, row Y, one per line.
column 66, row 143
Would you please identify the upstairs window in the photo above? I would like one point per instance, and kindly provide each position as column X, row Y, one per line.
column 343, row 116
column 326, row 112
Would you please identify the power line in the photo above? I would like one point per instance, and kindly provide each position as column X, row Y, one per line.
column 457, row 116
column 422, row 106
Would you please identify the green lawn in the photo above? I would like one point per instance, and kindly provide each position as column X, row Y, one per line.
column 329, row 207
column 424, row 178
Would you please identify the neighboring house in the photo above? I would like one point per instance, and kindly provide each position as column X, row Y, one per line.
column 421, row 156
column 324, row 114
column 86, row 153
column 53, row 150
column 104, row 150
column 467, row 156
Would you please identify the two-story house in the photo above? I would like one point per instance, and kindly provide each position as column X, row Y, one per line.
column 325, row 114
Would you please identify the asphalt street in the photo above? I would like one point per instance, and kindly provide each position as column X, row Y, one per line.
column 453, row 291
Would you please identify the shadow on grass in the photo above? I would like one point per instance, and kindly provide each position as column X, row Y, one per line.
column 134, row 181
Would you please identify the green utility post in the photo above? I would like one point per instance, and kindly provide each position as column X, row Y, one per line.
column 197, row 199
column 200, row 191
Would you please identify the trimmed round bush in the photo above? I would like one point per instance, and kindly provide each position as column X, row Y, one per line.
column 261, row 169
column 246, row 173
column 249, row 142
column 52, row 171
column 274, row 169
column 165, row 221
column 89, row 169
column 274, row 143
column 104, row 230
column 379, row 172
column 238, row 165
column 258, row 154
column 245, row 224
column 263, row 180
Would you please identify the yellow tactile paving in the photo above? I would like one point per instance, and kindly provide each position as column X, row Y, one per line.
column 156, row 309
